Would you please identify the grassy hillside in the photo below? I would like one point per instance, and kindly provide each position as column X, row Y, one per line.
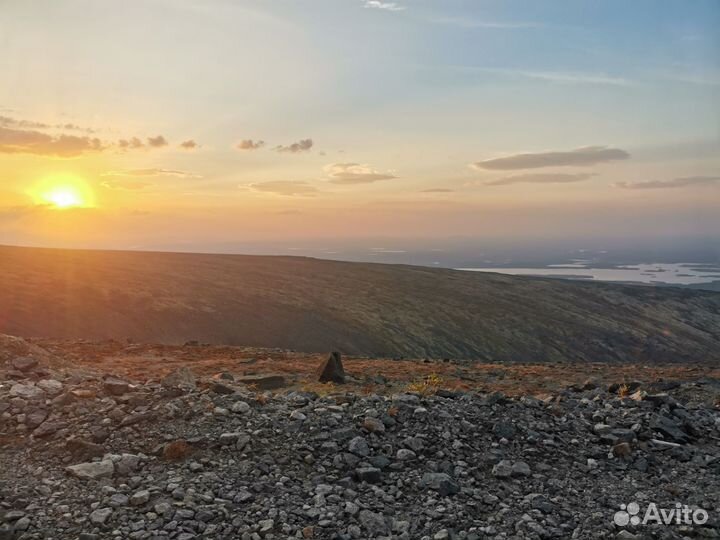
column 358, row 308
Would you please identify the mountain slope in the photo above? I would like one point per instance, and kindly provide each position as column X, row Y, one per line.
column 358, row 308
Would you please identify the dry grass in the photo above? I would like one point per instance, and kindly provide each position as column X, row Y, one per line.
column 427, row 385
column 152, row 362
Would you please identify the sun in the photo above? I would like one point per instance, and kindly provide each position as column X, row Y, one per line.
column 64, row 197
column 63, row 191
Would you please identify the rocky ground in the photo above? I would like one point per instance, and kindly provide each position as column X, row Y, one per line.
column 94, row 453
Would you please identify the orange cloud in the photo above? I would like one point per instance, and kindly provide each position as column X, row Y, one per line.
column 249, row 144
column 18, row 141
column 354, row 173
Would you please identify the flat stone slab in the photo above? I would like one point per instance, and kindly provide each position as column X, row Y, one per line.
column 264, row 382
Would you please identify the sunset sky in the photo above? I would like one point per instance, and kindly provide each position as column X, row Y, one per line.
column 157, row 123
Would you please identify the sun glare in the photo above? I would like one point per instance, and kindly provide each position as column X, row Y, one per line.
column 63, row 192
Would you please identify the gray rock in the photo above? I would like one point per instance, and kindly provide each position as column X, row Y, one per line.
column 92, row 470
column 373, row 522
column 443, row 483
column 100, row 516
column 331, row 369
column 24, row 363
column 264, row 382
column 359, row 446
column 240, row 407
column 179, row 378
column 51, row 387
column 371, row 475
column 27, row 391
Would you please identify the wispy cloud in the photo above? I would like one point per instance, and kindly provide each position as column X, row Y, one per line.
column 285, row 187
column 354, row 173
column 589, row 155
column 303, row 145
column 31, row 124
column 144, row 173
column 549, row 178
column 126, row 185
column 250, row 144
column 560, row 77
column 387, row 6
column 688, row 181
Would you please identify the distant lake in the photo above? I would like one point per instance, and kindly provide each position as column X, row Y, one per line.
column 672, row 274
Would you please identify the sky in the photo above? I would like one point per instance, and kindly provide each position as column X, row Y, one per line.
column 161, row 124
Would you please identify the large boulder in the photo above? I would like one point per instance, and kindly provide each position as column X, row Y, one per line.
column 331, row 370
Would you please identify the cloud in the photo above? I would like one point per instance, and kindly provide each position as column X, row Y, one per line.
column 136, row 173
column 126, row 185
column 688, row 181
column 589, row 155
column 549, row 178
column 301, row 146
column 249, row 144
column 560, row 77
column 17, row 141
column 7, row 121
column 438, row 190
column 130, row 144
column 387, row 6
column 31, row 124
column 24, row 137
column 354, row 173
column 189, row 145
column 285, row 187
column 157, row 142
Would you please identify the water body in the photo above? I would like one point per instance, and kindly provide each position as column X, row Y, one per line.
column 661, row 273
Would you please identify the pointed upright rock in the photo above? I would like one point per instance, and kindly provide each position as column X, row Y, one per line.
column 331, row 369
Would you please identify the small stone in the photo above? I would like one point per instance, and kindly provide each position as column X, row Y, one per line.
column 100, row 516
column 371, row 475
column 373, row 425
column 443, row 483
column 51, row 387
column 520, row 468
column 115, row 386
column 221, row 388
column 359, row 446
column 140, row 497
column 240, row 407
column 373, row 522
column 406, row 455
column 266, row 525
column 226, row 439
column 297, row 415
column 622, row 450
column 503, row 469
column 177, row 450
